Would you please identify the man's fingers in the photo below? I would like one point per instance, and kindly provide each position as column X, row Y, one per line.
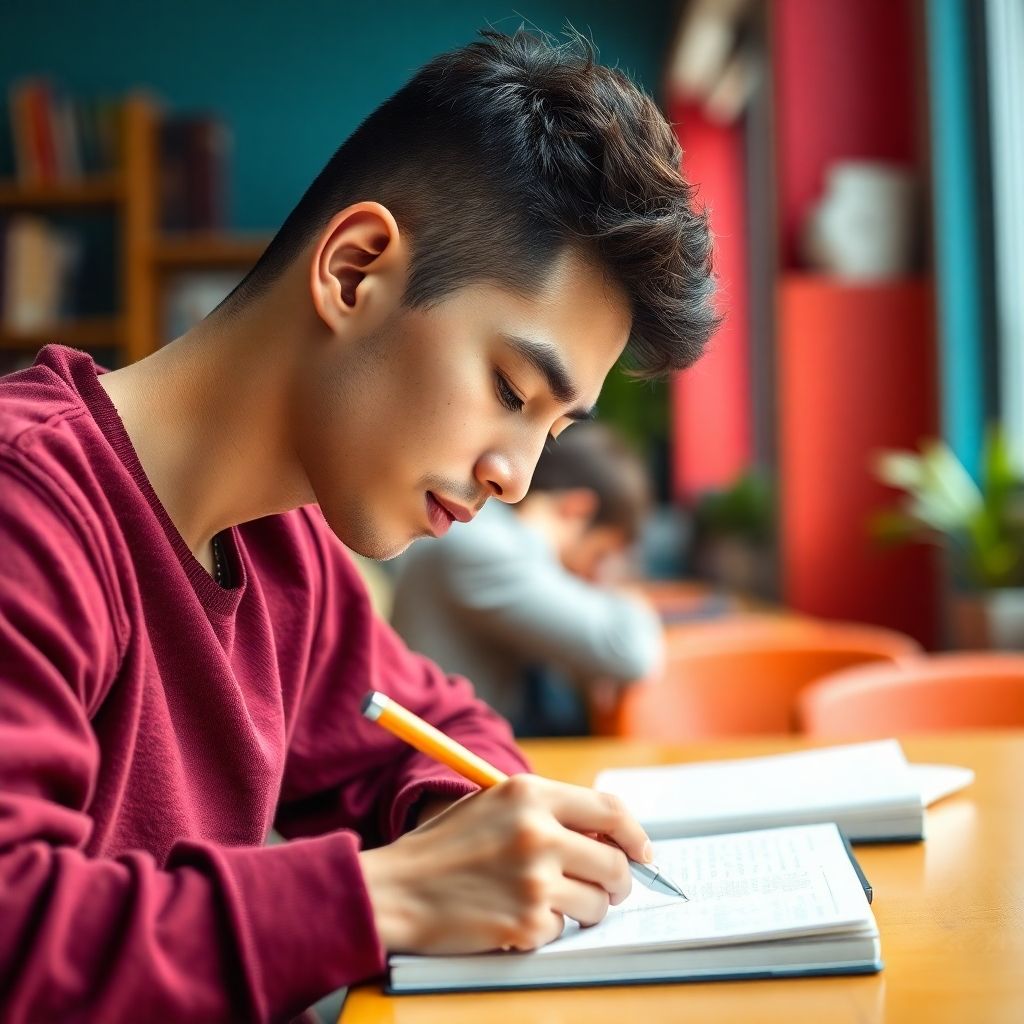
column 536, row 934
column 586, row 810
column 592, row 860
column 581, row 901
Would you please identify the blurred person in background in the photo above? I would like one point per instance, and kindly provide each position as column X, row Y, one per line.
column 520, row 601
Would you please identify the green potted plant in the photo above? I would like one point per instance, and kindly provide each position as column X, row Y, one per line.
column 733, row 531
column 981, row 525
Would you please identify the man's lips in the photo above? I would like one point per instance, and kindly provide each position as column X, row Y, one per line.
column 440, row 518
column 463, row 515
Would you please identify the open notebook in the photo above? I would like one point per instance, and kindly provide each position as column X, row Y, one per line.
column 868, row 789
column 773, row 903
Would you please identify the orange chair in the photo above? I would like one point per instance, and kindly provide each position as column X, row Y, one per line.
column 738, row 629
column 943, row 691
column 604, row 700
column 737, row 682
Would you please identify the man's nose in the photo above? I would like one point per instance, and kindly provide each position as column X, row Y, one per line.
column 503, row 477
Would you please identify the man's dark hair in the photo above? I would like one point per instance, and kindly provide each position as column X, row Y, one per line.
column 593, row 456
column 498, row 157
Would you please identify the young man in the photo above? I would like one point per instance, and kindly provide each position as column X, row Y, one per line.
column 518, row 603
column 184, row 645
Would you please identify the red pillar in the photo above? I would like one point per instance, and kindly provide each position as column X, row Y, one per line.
column 856, row 370
column 711, row 408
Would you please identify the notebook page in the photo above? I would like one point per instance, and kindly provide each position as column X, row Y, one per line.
column 860, row 775
column 741, row 887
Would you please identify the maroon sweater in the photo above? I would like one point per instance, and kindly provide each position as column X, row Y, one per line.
column 154, row 726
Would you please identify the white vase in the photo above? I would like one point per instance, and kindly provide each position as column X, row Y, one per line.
column 864, row 227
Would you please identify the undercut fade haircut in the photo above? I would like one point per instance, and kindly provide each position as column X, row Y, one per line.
column 498, row 158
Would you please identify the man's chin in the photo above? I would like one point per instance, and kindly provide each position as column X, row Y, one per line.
column 382, row 551
column 375, row 540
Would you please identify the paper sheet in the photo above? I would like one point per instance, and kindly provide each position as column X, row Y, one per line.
column 937, row 781
column 776, row 882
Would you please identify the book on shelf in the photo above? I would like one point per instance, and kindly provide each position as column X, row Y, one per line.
column 774, row 903
column 51, row 138
column 38, row 272
column 868, row 789
column 194, row 150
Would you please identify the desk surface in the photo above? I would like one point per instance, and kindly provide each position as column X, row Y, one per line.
column 950, row 912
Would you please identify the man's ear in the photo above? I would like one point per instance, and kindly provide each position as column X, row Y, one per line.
column 358, row 261
column 579, row 503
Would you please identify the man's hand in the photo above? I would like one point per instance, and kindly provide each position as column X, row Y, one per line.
column 502, row 868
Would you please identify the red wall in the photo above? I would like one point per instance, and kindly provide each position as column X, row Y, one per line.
column 711, row 409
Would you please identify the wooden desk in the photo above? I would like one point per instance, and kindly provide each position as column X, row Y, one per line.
column 950, row 911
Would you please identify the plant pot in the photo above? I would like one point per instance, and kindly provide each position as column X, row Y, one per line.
column 989, row 620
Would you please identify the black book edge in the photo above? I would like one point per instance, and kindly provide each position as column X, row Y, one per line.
column 869, row 892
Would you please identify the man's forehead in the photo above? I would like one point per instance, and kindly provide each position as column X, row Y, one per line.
column 580, row 313
column 582, row 289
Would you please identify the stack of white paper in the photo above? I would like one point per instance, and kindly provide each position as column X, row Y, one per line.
column 868, row 789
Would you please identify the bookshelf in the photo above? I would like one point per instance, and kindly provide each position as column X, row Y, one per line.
column 82, row 332
column 208, row 249
column 105, row 190
column 146, row 256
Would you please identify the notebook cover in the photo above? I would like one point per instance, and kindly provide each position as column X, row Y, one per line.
column 784, row 972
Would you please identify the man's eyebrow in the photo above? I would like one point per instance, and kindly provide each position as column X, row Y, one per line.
column 544, row 358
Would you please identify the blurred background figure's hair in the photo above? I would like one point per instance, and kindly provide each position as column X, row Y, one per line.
column 497, row 158
column 593, row 456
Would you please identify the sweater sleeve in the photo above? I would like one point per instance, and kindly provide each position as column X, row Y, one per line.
column 215, row 933
column 344, row 771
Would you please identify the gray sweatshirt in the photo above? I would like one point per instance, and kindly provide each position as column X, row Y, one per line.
column 491, row 599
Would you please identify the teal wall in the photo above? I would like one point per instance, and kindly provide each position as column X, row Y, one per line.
column 958, row 202
column 291, row 79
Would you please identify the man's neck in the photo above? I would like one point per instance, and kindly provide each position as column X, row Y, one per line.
column 207, row 415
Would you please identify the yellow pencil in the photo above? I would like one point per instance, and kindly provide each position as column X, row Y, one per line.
column 429, row 740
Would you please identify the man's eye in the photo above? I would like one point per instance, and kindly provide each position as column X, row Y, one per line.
column 507, row 396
